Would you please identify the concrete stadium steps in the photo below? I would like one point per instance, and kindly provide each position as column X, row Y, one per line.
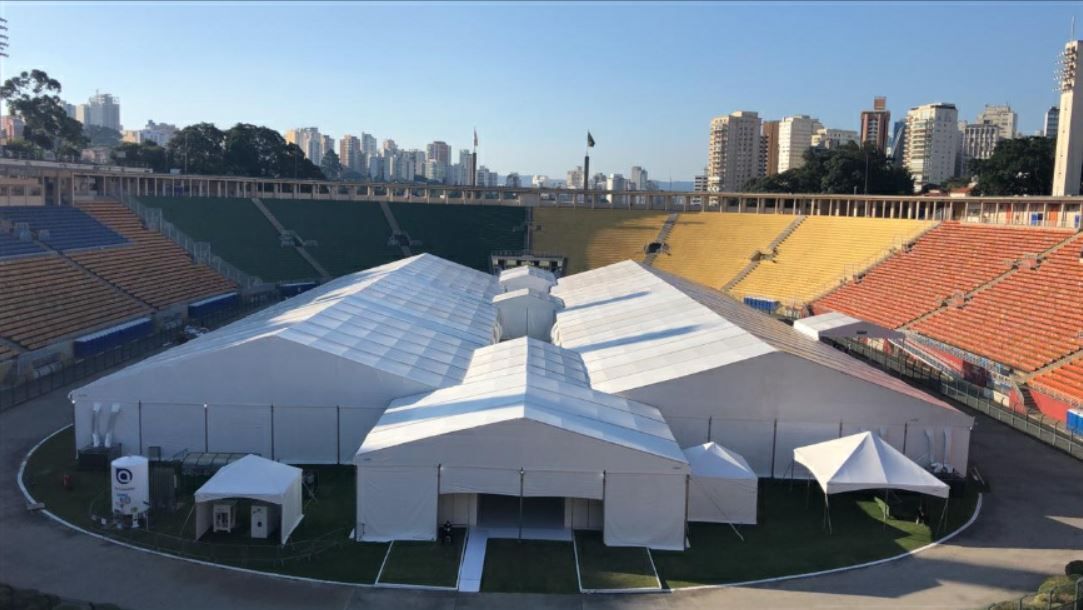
column 712, row 248
column 952, row 258
column 153, row 269
column 822, row 251
column 595, row 238
column 238, row 232
column 465, row 234
column 1066, row 379
column 1031, row 318
column 46, row 298
column 282, row 230
column 349, row 235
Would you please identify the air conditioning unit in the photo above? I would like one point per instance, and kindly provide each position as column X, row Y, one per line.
column 225, row 516
column 264, row 520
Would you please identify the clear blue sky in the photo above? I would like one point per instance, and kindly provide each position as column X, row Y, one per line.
column 645, row 78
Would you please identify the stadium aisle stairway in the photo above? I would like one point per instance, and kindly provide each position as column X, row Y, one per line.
column 45, row 298
column 595, row 238
column 1031, row 318
column 822, row 251
column 711, row 248
column 153, row 268
column 952, row 258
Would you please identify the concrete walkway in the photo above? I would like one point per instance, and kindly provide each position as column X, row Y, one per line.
column 473, row 560
column 1031, row 525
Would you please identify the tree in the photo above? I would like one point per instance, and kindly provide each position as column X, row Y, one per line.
column 840, row 170
column 330, row 165
column 146, row 154
column 34, row 97
column 1018, row 166
column 261, row 152
column 198, row 149
column 98, row 135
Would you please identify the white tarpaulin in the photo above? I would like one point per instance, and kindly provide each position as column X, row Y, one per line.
column 633, row 506
column 723, row 488
column 254, row 478
column 412, row 516
column 865, row 461
column 839, row 325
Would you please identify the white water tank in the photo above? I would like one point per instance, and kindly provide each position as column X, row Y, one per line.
column 130, row 480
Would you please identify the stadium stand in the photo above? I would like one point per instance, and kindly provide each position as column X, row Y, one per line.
column 1066, row 379
column 951, row 258
column 1029, row 319
column 595, row 238
column 712, row 248
column 68, row 228
column 46, row 298
column 349, row 235
column 237, row 232
column 10, row 246
column 822, row 251
column 466, row 234
column 153, row 268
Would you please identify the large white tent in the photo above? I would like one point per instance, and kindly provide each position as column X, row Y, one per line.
column 254, row 478
column 720, row 371
column 836, row 325
column 524, row 423
column 305, row 380
column 723, row 488
column 864, row 461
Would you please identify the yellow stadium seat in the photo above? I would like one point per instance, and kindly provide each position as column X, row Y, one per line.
column 711, row 248
column 595, row 238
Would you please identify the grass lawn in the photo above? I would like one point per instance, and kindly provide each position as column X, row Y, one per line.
column 529, row 566
column 318, row 548
column 425, row 563
column 608, row 567
column 790, row 539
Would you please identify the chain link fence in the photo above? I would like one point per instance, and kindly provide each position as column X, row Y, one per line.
column 1066, row 596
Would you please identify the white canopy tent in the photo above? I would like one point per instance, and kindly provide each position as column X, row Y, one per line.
column 253, row 478
column 723, row 488
column 839, row 325
column 527, row 276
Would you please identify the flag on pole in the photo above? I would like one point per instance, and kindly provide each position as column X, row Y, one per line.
column 590, row 140
column 475, row 137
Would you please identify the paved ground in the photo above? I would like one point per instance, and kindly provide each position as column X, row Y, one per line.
column 1031, row 525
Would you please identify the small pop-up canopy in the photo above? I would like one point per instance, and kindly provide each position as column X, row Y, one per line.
column 865, row 461
column 254, row 478
column 723, row 488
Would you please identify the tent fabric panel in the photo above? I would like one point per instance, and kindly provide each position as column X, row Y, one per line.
column 460, row 509
column 125, row 425
column 396, row 503
column 292, row 505
column 864, row 461
column 792, row 435
column 306, row 435
column 645, row 510
column 354, row 425
column 583, row 514
column 688, row 431
column 753, row 439
column 174, row 428
column 239, row 429
column 203, row 518
column 547, row 483
column 457, row 480
column 716, row 500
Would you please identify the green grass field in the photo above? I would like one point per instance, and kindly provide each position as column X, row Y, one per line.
column 237, row 232
column 466, row 234
column 425, row 563
column 608, row 567
column 529, row 566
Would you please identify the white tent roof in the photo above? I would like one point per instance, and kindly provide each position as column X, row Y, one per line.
column 715, row 461
column 836, row 324
column 420, row 318
column 526, row 292
column 525, row 379
column 256, row 478
column 514, row 273
column 865, row 461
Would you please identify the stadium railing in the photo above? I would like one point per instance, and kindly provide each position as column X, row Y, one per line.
column 163, row 338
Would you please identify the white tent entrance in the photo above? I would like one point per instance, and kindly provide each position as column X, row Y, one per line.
column 499, row 511
column 865, row 461
column 258, row 479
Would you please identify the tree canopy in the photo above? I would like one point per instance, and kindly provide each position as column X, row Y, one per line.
column 242, row 150
column 330, row 165
column 1018, row 166
column 34, row 97
column 840, row 170
column 98, row 135
column 146, row 154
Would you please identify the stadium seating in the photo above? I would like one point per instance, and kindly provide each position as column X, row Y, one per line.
column 47, row 297
column 595, row 238
column 823, row 250
column 68, row 228
column 153, row 268
column 1066, row 379
column 350, row 235
column 238, row 232
column 1026, row 321
column 951, row 258
column 466, row 234
column 712, row 248
column 6, row 352
column 10, row 246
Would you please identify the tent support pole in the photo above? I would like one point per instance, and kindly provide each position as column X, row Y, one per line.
column 943, row 516
column 774, row 446
column 520, row 504
column 827, row 513
column 687, row 488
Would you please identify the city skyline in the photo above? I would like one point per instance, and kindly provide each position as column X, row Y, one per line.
column 533, row 118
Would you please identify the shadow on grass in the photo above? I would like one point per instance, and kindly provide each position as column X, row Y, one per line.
column 529, row 566
column 610, row 567
column 433, row 564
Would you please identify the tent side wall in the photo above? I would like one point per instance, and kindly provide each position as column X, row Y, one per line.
column 396, row 503
column 713, row 500
column 645, row 510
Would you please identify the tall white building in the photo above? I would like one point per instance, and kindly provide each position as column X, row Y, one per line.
column 733, row 153
column 539, row 181
column 1068, row 160
column 794, row 138
column 833, row 138
column 102, row 110
column 159, row 133
column 574, row 178
column 978, row 142
column 309, row 140
column 932, row 142
column 1002, row 116
column 349, row 153
column 1051, row 121
column 390, row 146
column 368, row 144
column 435, row 170
column 486, row 177
column 638, row 179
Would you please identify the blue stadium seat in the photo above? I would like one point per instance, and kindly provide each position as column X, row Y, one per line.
column 11, row 246
column 67, row 228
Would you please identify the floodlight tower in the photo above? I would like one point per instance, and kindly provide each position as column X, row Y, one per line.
column 1069, row 156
